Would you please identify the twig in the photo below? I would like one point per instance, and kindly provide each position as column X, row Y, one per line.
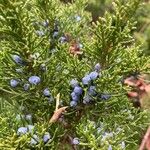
column 58, row 111
column 145, row 140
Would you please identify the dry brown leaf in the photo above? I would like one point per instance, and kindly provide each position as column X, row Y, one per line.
column 74, row 48
column 57, row 114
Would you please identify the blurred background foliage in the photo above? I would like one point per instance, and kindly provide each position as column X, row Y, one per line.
column 142, row 33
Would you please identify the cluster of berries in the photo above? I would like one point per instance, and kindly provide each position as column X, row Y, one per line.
column 33, row 80
column 78, row 92
column 35, row 139
column 89, row 91
column 106, row 136
column 42, row 29
column 27, row 117
column 41, row 26
column 31, row 129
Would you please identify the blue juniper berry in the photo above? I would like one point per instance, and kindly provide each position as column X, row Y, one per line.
column 46, row 92
column 14, row 82
column 105, row 96
column 43, row 67
column 107, row 135
column 99, row 129
column 75, row 141
column 92, row 90
column 34, row 140
column 50, row 99
column 63, row 39
column 73, row 83
column 22, row 130
column 94, row 75
column 26, row 86
column 74, row 96
column 46, row 137
column 45, row 23
column 18, row 60
column 97, row 67
column 86, row 80
column 73, row 103
column 78, row 90
column 34, row 80
column 55, row 34
column 86, row 99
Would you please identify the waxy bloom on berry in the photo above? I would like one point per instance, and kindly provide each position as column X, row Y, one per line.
column 22, row 130
column 46, row 137
column 75, row 141
column 14, row 83
column 34, row 80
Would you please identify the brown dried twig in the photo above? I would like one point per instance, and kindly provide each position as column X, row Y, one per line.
column 58, row 111
column 146, row 141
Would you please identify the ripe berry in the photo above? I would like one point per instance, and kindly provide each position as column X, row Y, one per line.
column 105, row 96
column 93, row 75
column 46, row 137
column 74, row 96
column 14, row 83
column 26, row 86
column 73, row 83
column 34, row 80
column 22, row 130
column 87, row 99
column 78, row 90
column 46, row 92
column 50, row 99
column 55, row 34
column 45, row 23
column 92, row 90
column 63, row 39
column 73, row 103
column 86, row 80
column 43, row 67
column 18, row 60
column 97, row 67
column 75, row 141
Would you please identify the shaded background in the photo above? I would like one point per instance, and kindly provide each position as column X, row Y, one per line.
column 141, row 34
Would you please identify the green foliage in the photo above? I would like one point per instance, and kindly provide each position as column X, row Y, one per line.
column 143, row 26
column 108, row 42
